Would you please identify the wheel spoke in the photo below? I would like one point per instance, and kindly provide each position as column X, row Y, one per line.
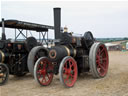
column 43, row 79
column 66, row 78
column 102, row 50
column 104, row 64
column 72, row 75
column 48, row 76
column 98, row 53
column 71, row 66
column 102, row 67
column 104, row 59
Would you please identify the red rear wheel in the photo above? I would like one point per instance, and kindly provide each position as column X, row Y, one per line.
column 102, row 60
column 98, row 60
column 68, row 71
column 43, row 71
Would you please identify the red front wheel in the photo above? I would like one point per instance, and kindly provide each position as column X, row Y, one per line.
column 43, row 71
column 68, row 71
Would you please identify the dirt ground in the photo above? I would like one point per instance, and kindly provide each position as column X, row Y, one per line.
column 114, row 84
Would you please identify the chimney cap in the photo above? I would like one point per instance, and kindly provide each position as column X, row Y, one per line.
column 57, row 8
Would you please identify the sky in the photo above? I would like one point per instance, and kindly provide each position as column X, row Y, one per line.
column 105, row 19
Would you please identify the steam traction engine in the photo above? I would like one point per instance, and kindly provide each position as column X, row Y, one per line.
column 17, row 57
column 71, row 56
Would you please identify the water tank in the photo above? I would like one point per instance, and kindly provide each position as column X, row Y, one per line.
column 127, row 45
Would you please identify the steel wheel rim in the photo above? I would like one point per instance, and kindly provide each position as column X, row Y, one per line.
column 69, row 72
column 102, row 60
column 44, row 77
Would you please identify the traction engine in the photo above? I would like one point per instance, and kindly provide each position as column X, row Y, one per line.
column 71, row 56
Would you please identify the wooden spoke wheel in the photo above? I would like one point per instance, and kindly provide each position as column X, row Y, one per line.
column 43, row 71
column 4, row 74
column 98, row 60
column 68, row 71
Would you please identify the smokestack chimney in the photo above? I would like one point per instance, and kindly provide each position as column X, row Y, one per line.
column 57, row 23
column 3, row 31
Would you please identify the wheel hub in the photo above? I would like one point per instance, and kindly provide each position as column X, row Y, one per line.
column 43, row 71
column 68, row 72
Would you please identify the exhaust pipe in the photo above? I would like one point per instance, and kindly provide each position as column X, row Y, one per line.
column 57, row 23
column 3, row 30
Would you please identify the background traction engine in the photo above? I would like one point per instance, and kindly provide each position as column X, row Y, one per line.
column 17, row 57
column 13, row 58
column 70, row 57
